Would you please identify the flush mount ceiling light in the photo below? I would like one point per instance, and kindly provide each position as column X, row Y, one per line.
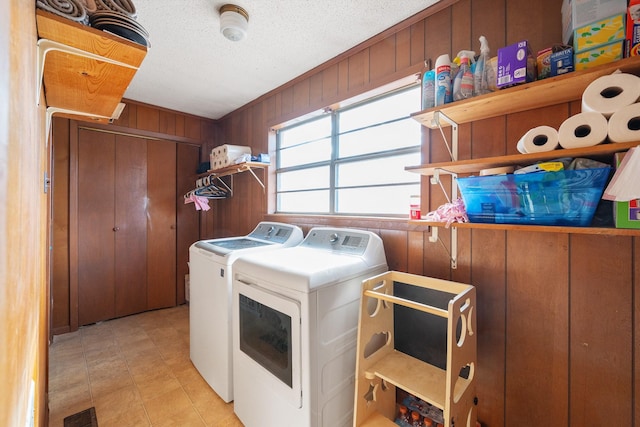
column 234, row 22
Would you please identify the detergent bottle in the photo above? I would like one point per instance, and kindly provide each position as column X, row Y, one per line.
column 443, row 80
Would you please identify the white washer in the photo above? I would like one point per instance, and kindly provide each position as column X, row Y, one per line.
column 210, row 276
column 295, row 321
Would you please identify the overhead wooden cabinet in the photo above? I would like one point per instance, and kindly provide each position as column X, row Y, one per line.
column 126, row 225
column 85, row 71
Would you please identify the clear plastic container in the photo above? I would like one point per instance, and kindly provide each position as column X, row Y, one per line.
column 567, row 197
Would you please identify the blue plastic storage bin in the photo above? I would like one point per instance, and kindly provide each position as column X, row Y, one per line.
column 567, row 197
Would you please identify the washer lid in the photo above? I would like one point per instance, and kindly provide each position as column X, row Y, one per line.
column 265, row 234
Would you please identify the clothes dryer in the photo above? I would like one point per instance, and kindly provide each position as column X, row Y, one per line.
column 295, row 317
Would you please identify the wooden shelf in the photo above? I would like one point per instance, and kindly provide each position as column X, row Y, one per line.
column 406, row 372
column 378, row 420
column 233, row 169
column 84, row 69
column 208, row 178
column 554, row 90
column 533, row 228
column 475, row 165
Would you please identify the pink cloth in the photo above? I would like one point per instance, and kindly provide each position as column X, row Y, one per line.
column 449, row 213
column 201, row 202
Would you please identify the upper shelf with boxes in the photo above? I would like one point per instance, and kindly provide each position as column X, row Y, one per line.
column 582, row 137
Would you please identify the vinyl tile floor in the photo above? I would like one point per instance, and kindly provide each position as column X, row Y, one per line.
column 136, row 372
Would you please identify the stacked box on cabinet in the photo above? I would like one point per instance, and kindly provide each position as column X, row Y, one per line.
column 381, row 368
column 226, row 155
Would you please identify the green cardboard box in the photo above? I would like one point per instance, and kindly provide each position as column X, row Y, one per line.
column 626, row 214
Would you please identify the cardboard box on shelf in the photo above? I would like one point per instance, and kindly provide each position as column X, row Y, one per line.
column 561, row 62
column 633, row 27
column 600, row 55
column 577, row 13
column 626, row 214
column 599, row 33
column 516, row 64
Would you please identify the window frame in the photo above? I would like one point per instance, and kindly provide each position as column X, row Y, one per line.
column 334, row 161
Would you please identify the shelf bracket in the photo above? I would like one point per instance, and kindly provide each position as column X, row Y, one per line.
column 53, row 110
column 435, row 179
column 436, row 122
column 453, row 253
column 45, row 46
column 438, row 117
column 257, row 179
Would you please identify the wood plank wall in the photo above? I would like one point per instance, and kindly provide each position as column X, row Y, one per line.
column 24, row 294
column 557, row 330
column 137, row 119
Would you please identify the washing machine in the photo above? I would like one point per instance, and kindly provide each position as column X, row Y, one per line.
column 295, row 321
column 210, row 276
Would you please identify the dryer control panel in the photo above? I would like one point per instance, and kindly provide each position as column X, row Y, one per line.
column 340, row 240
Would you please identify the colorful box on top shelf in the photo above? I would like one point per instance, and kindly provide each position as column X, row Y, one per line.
column 578, row 13
column 600, row 55
column 599, row 33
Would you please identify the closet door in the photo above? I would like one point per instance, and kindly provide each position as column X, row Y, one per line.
column 130, row 225
column 161, row 224
column 187, row 216
column 96, row 241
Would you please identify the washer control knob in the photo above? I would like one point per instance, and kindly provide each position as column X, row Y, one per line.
column 270, row 230
column 333, row 238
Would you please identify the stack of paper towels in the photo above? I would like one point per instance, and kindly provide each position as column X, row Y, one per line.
column 610, row 109
column 225, row 155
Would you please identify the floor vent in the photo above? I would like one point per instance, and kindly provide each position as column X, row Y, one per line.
column 86, row 418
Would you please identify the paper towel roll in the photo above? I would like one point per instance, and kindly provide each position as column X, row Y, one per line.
column 538, row 139
column 496, row 171
column 607, row 94
column 583, row 130
column 624, row 124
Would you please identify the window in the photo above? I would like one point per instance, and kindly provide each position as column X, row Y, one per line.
column 351, row 161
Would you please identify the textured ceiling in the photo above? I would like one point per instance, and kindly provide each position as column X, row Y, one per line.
column 192, row 68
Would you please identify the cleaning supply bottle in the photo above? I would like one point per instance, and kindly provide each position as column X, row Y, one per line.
column 481, row 74
column 443, row 80
column 463, row 82
column 428, row 89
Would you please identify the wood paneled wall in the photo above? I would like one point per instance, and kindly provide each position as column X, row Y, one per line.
column 140, row 120
column 24, row 294
column 557, row 325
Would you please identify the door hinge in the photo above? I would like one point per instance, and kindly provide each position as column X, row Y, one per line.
column 47, row 182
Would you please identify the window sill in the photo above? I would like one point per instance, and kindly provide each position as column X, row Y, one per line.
column 363, row 222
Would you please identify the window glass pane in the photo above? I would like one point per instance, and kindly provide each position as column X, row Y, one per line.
column 303, row 179
column 405, row 133
column 387, row 170
column 389, row 200
column 311, row 152
column 388, row 108
column 304, row 201
column 309, row 131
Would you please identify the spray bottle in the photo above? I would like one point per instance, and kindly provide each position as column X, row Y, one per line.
column 428, row 89
column 443, row 80
column 481, row 74
column 463, row 81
